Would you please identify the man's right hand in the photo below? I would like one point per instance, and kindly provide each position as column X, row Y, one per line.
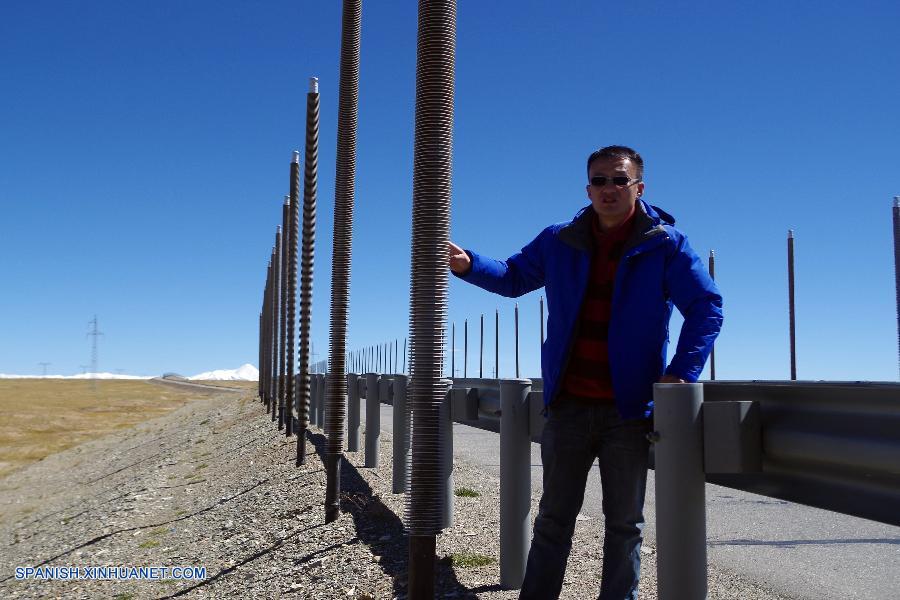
column 458, row 259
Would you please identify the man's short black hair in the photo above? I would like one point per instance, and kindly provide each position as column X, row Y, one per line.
column 617, row 152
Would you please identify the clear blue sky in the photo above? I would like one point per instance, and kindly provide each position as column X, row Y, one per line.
column 144, row 152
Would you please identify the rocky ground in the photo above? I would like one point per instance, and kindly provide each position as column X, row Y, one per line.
column 214, row 484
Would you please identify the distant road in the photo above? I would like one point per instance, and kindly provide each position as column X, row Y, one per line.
column 183, row 383
column 802, row 552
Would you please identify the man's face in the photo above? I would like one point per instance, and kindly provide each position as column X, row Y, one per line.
column 612, row 203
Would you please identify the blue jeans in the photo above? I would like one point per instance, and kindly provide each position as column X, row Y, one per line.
column 574, row 437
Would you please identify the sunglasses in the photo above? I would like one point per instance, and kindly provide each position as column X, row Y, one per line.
column 618, row 180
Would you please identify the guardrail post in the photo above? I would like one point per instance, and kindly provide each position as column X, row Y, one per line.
column 313, row 398
column 680, row 491
column 446, row 448
column 515, row 481
column 401, row 437
column 322, row 396
column 373, row 420
column 320, row 408
column 352, row 412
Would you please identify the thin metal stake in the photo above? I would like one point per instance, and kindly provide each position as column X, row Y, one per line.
column 542, row 320
column 481, row 350
column 897, row 266
column 465, row 347
column 712, row 354
column 497, row 344
column 791, row 313
column 516, row 327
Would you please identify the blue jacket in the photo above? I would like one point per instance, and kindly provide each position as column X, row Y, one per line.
column 658, row 268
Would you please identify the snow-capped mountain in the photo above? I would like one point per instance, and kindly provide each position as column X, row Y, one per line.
column 243, row 373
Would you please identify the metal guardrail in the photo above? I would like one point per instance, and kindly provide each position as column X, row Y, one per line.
column 834, row 446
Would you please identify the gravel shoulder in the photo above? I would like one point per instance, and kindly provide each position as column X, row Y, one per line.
column 213, row 484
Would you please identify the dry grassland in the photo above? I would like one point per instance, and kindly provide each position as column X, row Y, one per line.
column 44, row 416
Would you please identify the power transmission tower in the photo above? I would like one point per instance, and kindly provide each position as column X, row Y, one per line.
column 95, row 333
column 44, row 365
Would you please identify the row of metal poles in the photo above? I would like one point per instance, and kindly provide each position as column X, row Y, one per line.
column 283, row 392
column 428, row 290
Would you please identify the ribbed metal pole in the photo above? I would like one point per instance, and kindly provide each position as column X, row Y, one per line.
column 259, row 357
column 264, row 368
column 283, row 372
column 712, row 354
column 276, row 319
column 515, row 481
column 791, row 313
column 265, row 340
column 336, row 402
column 270, row 404
column 293, row 225
column 680, row 492
column 427, row 390
column 897, row 267
column 307, row 261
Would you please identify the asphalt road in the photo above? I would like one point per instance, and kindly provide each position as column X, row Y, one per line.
column 802, row 552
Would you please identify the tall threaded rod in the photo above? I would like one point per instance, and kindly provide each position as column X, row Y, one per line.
column 294, row 223
column 336, row 388
column 266, row 360
column 432, row 167
column 268, row 390
column 712, row 354
column 282, row 357
column 276, row 322
column 791, row 314
column 310, row 187
column 897, row 266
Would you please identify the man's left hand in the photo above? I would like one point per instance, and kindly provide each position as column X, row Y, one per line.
column 670, row 379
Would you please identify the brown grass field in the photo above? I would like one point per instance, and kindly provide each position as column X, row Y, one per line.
column 45, row 416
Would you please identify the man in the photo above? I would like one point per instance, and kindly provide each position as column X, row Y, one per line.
column 611, row 276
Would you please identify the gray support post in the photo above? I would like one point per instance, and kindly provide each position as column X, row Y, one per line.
column 314, row 405
column 680, row 491
column 352, row 412
column 445, row 435
column 322, row 400
column 401, row 437
column 313, row 398
column 515, row 481
column 373, row 420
